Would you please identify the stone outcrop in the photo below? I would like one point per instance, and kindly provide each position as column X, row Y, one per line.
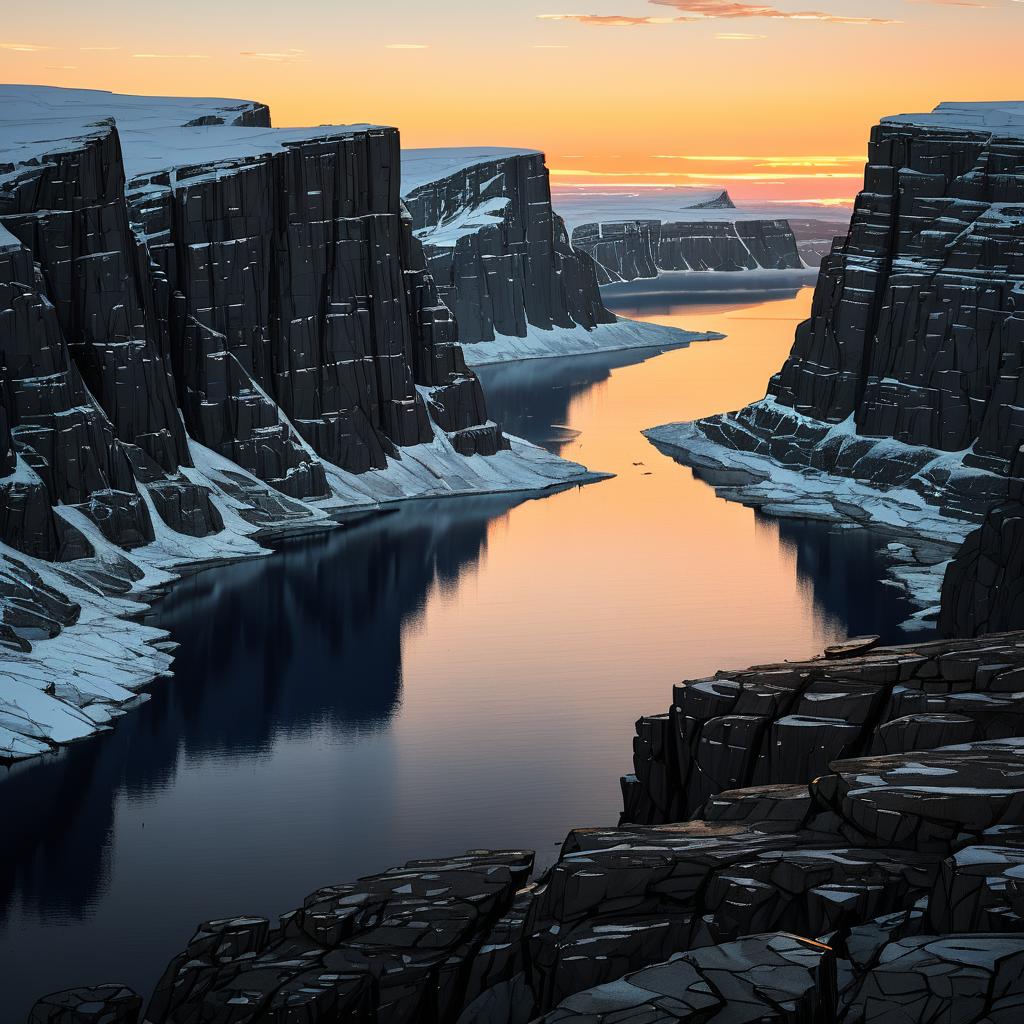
column 499, row 254
column 874, row 877
column 107, row 1004
column 781, row 725
column 907, row 377
column 209, row 329
column 628, row 250
column 983, row 591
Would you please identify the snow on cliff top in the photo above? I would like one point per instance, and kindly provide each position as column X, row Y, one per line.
column 39, row 120
column 422, row 166
column 594, row 204
column 1000, row 118
column 597, row 204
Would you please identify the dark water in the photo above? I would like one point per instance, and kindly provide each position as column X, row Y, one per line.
column 457, row 674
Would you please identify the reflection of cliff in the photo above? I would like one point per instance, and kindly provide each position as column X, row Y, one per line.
column 311, row 637
column 846, row 570
column 533, row 396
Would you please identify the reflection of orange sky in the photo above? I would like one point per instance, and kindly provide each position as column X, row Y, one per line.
column 635, row 582
column 608, row 101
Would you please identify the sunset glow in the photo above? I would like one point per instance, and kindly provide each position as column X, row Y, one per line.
column 612, row 90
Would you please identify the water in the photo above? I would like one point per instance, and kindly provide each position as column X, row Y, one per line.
column 458, row 674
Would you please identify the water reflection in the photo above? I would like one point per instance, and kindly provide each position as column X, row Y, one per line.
column 673, row 290
column 458, row 674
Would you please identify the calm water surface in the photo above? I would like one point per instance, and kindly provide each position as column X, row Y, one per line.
column 459, row 674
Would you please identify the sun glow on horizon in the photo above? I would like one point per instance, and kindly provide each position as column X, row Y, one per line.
column 681, row 106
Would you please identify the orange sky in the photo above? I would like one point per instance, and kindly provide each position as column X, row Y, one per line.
column 607, row 102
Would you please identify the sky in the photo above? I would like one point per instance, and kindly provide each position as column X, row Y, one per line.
column 773, row 101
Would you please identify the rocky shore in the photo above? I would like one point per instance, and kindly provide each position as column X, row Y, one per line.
column 833, row 840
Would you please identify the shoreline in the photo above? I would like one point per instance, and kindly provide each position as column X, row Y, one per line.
column 142, row 654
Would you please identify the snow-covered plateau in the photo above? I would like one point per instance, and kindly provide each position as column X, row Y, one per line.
column 642, row 234
column 215, row 331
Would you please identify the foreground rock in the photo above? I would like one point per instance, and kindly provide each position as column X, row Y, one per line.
column 884, row 887
column 777, row 725
column 107, row 1004
column 502, row 261
column 900, row 403
column 211, row 330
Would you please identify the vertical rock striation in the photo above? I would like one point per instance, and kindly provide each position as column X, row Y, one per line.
column 907, row 382
column 633, row 249
column 499, row 254
column 208, row 328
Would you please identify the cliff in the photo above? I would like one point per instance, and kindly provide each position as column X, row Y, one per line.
column 209, row 329
column 901, row 400
column 628, row 250
column 502, row 262
column 635, row 235
column 869, row 875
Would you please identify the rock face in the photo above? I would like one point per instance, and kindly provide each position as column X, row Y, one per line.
column 983, row 590
column 781, row 725
column 882, row 887
column 907, row 378
column 208, row 329
column 498, row 253
column 107, row 1004
column 628, row 250
column 641, row 235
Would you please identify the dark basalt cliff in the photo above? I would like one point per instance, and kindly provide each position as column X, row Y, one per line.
column 629, row 250
column 275, row 306
column 983, row 591
column 499, row 255
column 209, row 330
column 87, row 390
column 916, row 330
column 871, row 875
column 908, row 377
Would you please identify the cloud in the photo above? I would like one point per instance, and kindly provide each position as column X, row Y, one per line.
column 738, row 36
column 612, row 20
column 731, row 9
column 100, row 48
column 24, row 47
column 765, row 161
column 171, row 56
column 406, row 46
column 61, row 67
column 284, row 57
column 713, row 177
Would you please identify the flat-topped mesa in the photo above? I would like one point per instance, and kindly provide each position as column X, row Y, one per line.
column 872, row 885
column 636, row 235
column 908, row 379
column 209, row 328
column 258, row 288
column 500, row 256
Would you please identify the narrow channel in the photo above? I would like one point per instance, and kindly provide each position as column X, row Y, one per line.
column 456, row 674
